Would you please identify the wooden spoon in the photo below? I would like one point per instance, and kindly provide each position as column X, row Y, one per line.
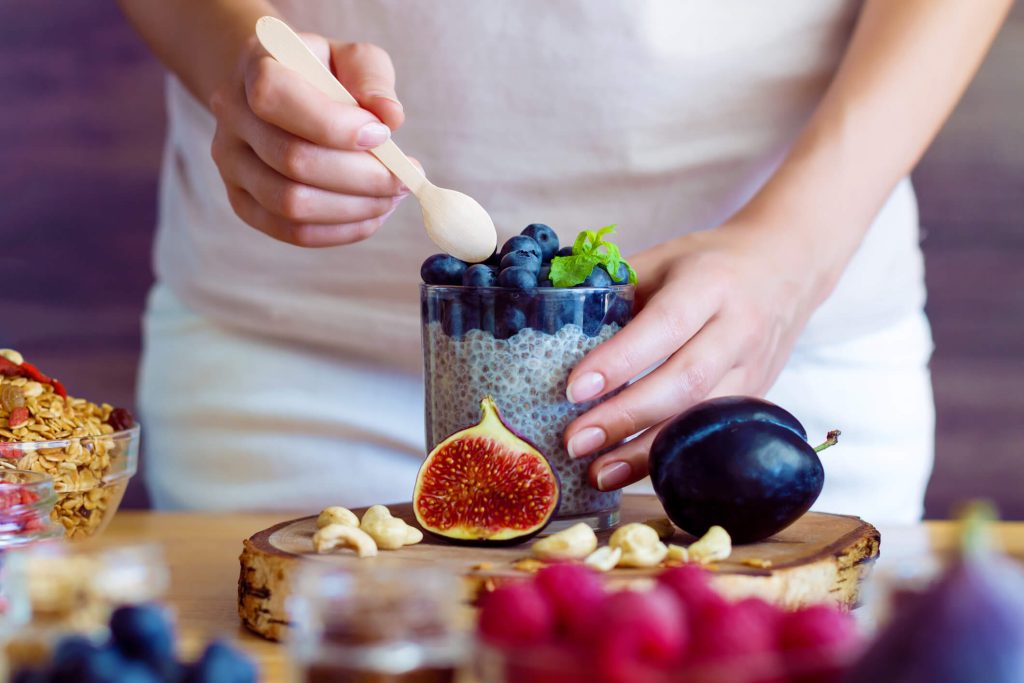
column 454, row 221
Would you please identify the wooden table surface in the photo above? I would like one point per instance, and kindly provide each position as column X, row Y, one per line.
column 202, row 553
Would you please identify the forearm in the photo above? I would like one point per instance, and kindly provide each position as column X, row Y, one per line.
column 199, row 40
column 906, row 66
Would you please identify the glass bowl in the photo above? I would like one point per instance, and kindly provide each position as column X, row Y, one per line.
column 89, row 473
column 27, row 500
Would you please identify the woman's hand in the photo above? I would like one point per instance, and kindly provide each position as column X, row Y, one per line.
column 294, row 162
column 723, row 308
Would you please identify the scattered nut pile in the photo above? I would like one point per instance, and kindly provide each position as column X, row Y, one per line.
column 631, row 545
column 36, row 408
column 339, row 527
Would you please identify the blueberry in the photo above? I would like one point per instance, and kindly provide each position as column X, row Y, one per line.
column 511, row 319
column 486, row 312
column 593, row 313
column 222, row 663
column 552, row 313
column 442, row 269
column 521, row 259
column 517, row 278
column 598, row 277
column 143, row 632
column 521, row 243
column 454, row 318
column 621, row 276
column 546, row 238
column 564, row 251
column 27, row 675
column 480, row 275
column 493, row 260
column 97, row 665
column 544, row 278
column 619, row 312
column 73, row 648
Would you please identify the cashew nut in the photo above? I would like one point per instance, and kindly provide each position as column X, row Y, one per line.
column 604, row 559
column 341, row 536
column 12, row 355
column 713, row 546
column 677, row 553
column 388, row 531
column 574, row 543
column 640, row 546
column 336, row 515
column 664, row 527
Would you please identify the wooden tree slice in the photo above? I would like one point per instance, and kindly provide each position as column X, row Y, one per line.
column 820, row 558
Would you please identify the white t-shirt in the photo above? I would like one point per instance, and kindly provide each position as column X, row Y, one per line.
column 660, row 116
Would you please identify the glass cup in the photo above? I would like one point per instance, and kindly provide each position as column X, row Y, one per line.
column 376, row 624
column 518, row 346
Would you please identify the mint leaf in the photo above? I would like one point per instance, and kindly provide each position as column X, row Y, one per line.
column 569, row 271
column 589, row 251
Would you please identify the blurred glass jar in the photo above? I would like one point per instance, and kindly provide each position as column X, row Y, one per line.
column 377, row 623
column 53, row 590
column 26, row 505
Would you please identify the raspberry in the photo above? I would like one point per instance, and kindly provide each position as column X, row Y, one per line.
column 516, row 614
column 734, row 643
column 692, row 586
column 575, row 594
column 817, row 642
column 641, row 633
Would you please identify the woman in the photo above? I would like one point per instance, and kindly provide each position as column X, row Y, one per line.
column 754, row 155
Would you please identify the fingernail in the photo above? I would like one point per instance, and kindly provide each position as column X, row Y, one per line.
column 373, row 135
column 586, row 441
column 587, row 386
column 613, row 476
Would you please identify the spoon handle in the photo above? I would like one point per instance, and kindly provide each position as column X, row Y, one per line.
column 287, row 47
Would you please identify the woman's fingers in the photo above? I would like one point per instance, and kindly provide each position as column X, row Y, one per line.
column 294, row 201
column 367, row 72
column 278, row 96
column 299, row 234
column 626, row 464
column 667, row 322
column 684, row 379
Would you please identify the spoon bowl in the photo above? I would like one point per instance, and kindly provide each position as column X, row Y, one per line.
column 454, row 221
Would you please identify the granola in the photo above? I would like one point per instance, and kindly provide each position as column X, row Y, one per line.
column 70, row 439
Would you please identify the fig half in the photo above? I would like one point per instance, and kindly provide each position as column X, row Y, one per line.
column 485, row 485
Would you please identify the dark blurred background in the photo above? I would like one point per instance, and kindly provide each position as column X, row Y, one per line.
column 81, row 126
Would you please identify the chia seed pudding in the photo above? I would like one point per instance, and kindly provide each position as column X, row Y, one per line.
column 524, row 366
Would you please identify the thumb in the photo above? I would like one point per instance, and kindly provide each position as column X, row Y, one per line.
column 366, row 70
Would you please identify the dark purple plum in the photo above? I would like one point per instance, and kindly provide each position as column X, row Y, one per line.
column 521, row 243
column 521, row 258
column 739, row 462
column 546, row 238
column 442, row 269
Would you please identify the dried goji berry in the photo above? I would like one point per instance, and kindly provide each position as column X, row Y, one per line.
column 32, row 372
column 59, row 389
column 9, row 369
column 17, row 418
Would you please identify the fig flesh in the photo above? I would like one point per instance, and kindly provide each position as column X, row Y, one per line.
column 485, row 485
column 738, row 462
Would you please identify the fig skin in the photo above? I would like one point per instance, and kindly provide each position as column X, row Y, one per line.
column 740, row 462
column 490, row 495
